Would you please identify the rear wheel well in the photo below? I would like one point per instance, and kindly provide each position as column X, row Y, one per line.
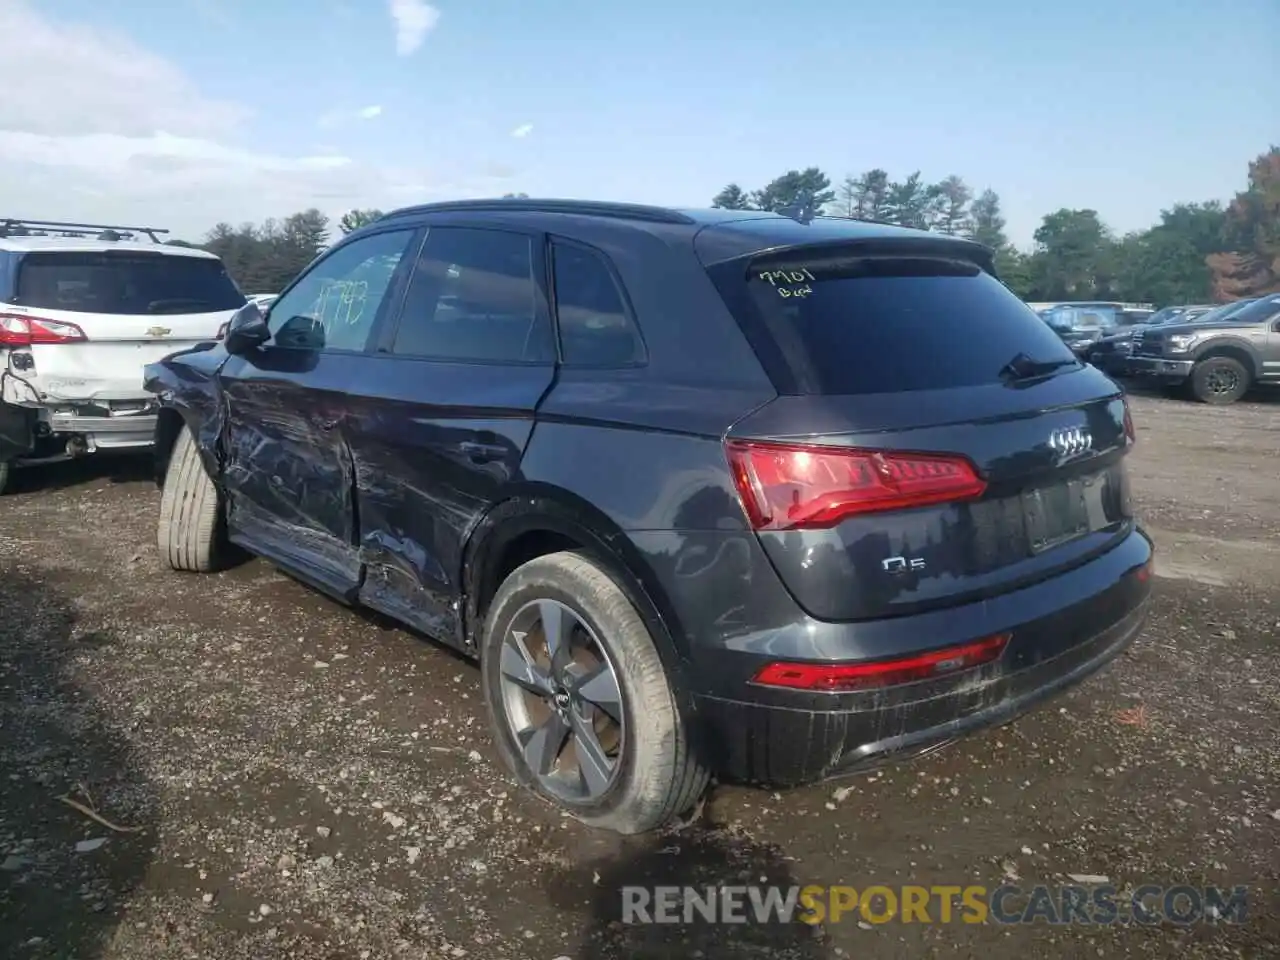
column 169, row 424
column 1235, row 353
column 523, row 548
column 522, row 535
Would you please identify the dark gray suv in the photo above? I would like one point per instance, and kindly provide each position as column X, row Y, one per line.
column 705, row 492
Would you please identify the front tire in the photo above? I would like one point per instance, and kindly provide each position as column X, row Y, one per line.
column 190, row 534
column 1219, row 380
column 582, row 711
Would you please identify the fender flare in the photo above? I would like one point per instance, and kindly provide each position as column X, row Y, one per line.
column 540, row 508
column 1228, row 345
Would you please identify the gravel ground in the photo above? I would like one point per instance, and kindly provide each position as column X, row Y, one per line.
column 302, row 780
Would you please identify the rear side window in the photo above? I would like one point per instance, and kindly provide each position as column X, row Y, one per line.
column 596, row 329
column 119, row 282
column 473, row 296
column 882, row 325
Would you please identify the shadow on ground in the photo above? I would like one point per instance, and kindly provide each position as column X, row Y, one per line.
column 57, row 900
column 698, row 858
column 112, row 467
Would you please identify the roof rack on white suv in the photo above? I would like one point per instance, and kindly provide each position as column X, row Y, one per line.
column 13, row 227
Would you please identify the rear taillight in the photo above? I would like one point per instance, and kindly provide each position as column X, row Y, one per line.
column 22, row 330
column 1128, row 424
column 838, row 677
column 792, row 486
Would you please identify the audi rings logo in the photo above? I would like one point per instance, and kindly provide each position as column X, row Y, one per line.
column 1070, row 442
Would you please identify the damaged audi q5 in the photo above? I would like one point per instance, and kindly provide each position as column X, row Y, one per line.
column 759, row 496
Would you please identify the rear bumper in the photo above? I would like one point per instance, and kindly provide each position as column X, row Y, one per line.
column 1081, row 621
column 1160, row 368
column 108, row 433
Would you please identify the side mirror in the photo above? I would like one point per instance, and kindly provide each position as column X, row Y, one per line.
column 247, row 329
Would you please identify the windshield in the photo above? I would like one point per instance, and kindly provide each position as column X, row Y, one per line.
column 1129, row 318
column 861, row 325
column 1253, row 311
column 127, row 283
column 1165, row 315
column 1226, row 311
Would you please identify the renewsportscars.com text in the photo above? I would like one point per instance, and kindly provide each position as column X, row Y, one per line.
column 1147, row 904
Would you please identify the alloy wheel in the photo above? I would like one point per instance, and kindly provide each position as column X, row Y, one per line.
column 562, row 701
column 1222, row 382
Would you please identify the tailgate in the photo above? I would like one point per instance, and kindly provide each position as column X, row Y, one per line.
column 933, row 443
column 1048, row 491
column 107, row 364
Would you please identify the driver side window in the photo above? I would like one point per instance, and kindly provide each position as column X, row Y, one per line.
column 333, row 307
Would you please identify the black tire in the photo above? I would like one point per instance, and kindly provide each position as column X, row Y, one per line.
column 1220, row 380
column 658, row 777
column 190, row 533
column 6, row 472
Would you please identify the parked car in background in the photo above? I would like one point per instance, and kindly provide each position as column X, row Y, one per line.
column 83, row 308
column 1217, row 357
column 1081, row 324
column 892, row 511
column 1111, row 353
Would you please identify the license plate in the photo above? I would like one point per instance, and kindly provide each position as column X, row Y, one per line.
column 1057, row 514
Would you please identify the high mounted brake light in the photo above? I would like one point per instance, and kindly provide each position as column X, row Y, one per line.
column 23, row 330
column 804, row 486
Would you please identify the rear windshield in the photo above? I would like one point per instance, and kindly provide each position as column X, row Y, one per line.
column 125, row 283
column 875, row 325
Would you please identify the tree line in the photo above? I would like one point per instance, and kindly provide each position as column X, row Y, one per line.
column 1197, row 252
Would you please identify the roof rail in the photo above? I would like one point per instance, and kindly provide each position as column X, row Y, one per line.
column 10, row 227
column 586, row 208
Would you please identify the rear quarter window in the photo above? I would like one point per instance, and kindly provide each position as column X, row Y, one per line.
column 128, row 283
column 882, row 325
column 596, row 327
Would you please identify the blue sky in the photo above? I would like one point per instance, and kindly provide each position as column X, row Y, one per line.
column 1126, row 106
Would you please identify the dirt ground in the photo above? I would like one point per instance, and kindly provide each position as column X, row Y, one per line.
column 306, row 781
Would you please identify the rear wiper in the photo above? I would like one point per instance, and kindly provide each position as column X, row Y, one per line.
column 1023, row 367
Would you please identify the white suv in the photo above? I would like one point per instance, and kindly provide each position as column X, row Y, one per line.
column 80, row 316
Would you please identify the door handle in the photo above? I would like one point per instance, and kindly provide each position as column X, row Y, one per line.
column 482, row 452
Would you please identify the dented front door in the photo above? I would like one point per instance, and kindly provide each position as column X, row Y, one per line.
column 286, row 471
column 287, row 468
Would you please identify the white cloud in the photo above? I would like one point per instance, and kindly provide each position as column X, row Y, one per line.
column 413, row 21
column 84, row 80
column 522, row 131
column 336, row 118
column 121, row 134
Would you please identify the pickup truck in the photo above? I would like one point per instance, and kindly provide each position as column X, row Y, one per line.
column 1215, row 360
